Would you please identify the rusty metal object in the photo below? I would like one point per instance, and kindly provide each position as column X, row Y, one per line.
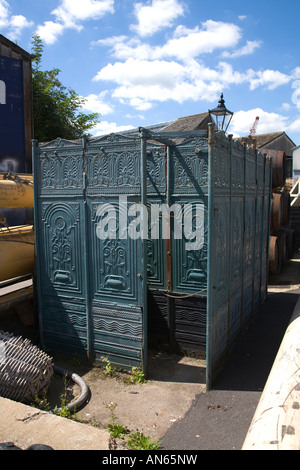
column 278, row 167
column 274, row 256
column 25, row 370
column 276, row 212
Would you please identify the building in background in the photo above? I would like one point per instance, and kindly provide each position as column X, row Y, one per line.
column 296, row 164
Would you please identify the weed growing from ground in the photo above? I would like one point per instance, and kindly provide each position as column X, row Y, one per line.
column 108, row 369
column 137, row 376
column 64, row 410
column 115, row 429
column 41, row 401
column 137, row 441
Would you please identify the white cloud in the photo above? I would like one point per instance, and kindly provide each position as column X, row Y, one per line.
column 141, row 104
column 242, row 121
column 96, row 104
column 137, row 72
column 286, row 106
column 70, row 14
column 14, row 24
column 105, row 127
column 50, row 31
column 296, row 93
column 4, row 13
column 191, row 43
column 248, row 49
column 123, row 48
column 184, row 45
column 296, row 73
column 155, row 16
column 141, row 117
column 269, row 78
column 141, row 83
column 19, row 22
column 294, row 126
column 145, row 74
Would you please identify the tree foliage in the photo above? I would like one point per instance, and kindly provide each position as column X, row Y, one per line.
column 56, row 109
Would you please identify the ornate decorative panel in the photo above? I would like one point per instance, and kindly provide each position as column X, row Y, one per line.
column 190, row 168
column 189, row 266
column 60, row 168
column 156, row 252
column 114, row 262
column 113, row 165
column 61, row 235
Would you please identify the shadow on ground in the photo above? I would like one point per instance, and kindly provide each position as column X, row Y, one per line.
column 220, row 418
column 248, row 366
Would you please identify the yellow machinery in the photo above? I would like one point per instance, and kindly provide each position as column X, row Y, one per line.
column 16, row 191
column 16, row 251
column 16, row 243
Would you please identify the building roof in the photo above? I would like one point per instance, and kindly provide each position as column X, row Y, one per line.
column 12, row 50
column 153, row 128
column 265, row 139
column 189, row 123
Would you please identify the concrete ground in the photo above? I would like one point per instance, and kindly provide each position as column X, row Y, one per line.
column 172, row 406
column 220, row 419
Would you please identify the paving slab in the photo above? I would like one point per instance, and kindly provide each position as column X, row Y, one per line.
column 25, row 426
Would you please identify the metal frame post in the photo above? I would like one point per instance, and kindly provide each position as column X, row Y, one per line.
column 144, row 248
column 211, row 130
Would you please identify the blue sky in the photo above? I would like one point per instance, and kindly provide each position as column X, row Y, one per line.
column 144, row 62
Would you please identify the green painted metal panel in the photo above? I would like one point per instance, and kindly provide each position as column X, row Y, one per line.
column 118, row 303
column 177, row 180
column 60, row 249
column 91, row 298
column 105, row 292
column 239, row 212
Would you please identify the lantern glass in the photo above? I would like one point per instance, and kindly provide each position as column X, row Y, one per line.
column 221, row 115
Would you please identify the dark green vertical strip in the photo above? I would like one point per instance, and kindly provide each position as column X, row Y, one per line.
column 143, row 278
column 209, row 327
column 37, row 280
column 87, row 281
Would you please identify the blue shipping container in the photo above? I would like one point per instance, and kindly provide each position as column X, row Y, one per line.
column 12, row 128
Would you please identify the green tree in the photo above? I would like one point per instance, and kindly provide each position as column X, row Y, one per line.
column 56, row 109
